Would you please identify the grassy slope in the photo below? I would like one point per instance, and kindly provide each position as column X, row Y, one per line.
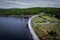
column 41, row 29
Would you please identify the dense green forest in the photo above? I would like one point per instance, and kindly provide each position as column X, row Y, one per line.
column 30, row 11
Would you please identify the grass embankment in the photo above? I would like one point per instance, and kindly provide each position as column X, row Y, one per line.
column 47, row 28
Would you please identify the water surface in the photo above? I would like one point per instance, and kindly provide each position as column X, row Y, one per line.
column 12, row 28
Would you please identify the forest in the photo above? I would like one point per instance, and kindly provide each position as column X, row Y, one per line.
column 30, row 11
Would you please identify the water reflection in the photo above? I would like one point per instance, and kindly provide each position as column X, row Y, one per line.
column 12, row 28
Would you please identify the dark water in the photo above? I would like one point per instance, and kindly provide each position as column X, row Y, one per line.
column 12, row 28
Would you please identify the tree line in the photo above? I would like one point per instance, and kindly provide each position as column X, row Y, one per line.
column 30, row 11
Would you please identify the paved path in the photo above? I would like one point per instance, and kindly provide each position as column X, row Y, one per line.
column 35, row 37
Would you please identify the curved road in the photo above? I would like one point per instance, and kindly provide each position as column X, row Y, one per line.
column 35, row 37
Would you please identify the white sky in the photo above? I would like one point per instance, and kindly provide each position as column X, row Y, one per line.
column 29, row 3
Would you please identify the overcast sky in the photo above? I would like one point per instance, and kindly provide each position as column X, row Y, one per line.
column 29, row 3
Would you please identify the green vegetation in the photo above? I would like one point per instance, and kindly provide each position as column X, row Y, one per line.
column 30, row 11
column 38, row 20
column 47, row 27
column 51, row 19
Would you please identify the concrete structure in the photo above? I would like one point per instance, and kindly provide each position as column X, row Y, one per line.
column 35, row 37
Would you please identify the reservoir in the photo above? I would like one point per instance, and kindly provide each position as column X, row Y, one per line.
column 12, row 28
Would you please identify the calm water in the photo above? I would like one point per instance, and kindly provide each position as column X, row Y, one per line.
column 12, row 28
